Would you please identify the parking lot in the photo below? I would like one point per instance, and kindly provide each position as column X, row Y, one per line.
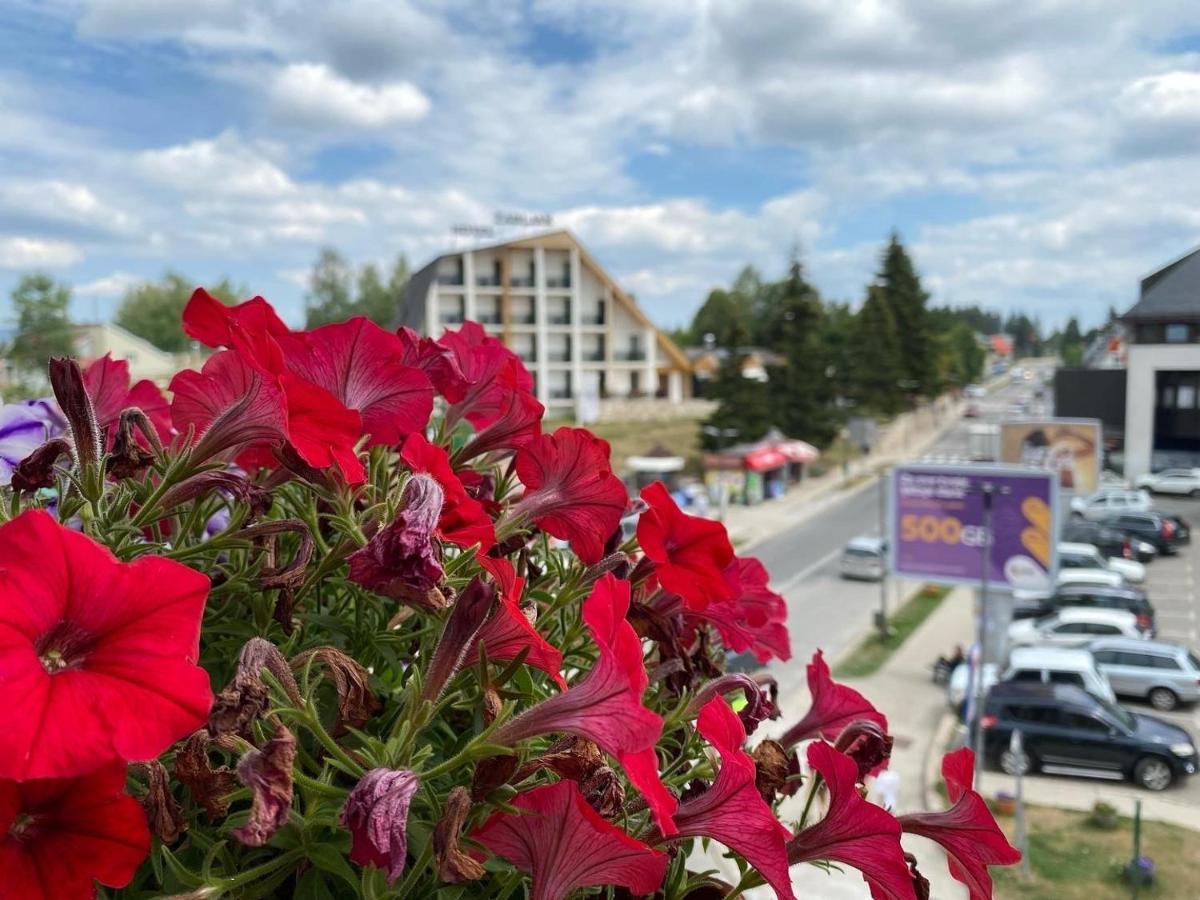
column 1171, row 586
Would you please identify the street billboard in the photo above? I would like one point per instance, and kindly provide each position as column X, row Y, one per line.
column 1070, row 447
column 936, row 525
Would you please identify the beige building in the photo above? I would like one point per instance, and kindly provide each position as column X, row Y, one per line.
column 550, row 302
column 145, row 360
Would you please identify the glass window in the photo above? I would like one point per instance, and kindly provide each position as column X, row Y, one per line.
column 1085, row 723
column 1176, row 334
column 1120, row 713
column 1026, row 675
column 1066, row 678
column 1168, row 397
column 1141, row 660
column 1108, row 657
column 1164, row 662
column 1195, row 663
column 1102, row 629
column 1071, row 628
column 1185, row 399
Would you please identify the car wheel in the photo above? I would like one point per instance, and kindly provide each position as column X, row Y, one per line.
column 1153, row 773
column 1016, row 763
column 1163, row 699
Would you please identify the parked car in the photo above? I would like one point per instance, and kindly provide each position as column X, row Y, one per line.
column 1085, row 557
column 956, row 687
column 1165, row 674
column 975, row 391
column 1164, row 532
column 1083, row 596
column 1066, row 730
column 1109, row 502
column 1108, row 541
column 865, row 558
column 1057, row 665
column 1172, row 481
column 972, row 411
column 1073, row 626
column 1101, row 577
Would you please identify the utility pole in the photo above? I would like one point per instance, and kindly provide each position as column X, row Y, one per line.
column 987, row 491
column 882, row 616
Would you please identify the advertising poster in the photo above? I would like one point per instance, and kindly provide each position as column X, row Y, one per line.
column 1070, row 447
column 936, row 525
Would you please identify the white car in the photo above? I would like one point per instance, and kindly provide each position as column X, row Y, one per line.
column 956, row 688
column 1029, row 597
column 1058, row 665
column 1079, row 557
column 1172, row 481
column 975, row 391
column 1110, row 502
column 1074, row 626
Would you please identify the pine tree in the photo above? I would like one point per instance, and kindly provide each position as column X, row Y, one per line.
column 743, row 404
column 906, row 299
column 875, row 345
column 43, row 321
column 801, row 389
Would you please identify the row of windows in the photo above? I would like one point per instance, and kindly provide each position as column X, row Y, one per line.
column 1141, row 660
column 1168, row 333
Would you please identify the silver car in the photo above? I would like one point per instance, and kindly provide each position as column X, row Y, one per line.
column 865, row 557
column 1165, row 674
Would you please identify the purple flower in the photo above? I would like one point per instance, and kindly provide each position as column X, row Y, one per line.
column 400, row 561
column 376, row 812
column 23, row 428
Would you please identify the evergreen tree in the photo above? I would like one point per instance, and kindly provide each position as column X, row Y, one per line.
column 902, row 291
column 43, row 321
column 718, row 316
column 875, row 345
column 743, row 404
column 801, row 389
column 330, row 290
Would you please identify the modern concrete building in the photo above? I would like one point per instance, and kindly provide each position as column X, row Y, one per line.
column 548, row 299
column 1162, row 392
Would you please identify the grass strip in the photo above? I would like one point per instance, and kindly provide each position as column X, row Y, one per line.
column 874, row 651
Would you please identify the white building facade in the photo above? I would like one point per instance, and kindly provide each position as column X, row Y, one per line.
column 580, row 335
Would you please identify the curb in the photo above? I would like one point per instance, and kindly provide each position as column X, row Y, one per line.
column 932, row 770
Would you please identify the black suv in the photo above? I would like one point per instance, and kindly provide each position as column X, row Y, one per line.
column 1109, row 541
column 1067, row 731
column 1165, row 532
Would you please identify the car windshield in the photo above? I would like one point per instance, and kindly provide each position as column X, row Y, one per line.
column 860, row 552
column 1195, row 663
column 1120, row 713
column 1045, row 621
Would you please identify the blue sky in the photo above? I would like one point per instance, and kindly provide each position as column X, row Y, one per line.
column 1038, row 156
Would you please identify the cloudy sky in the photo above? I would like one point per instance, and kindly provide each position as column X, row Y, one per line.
column 1037, row 155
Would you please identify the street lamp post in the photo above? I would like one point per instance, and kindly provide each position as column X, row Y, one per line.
column 720, row 434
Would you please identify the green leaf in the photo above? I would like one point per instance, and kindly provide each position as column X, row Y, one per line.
column 328, row 859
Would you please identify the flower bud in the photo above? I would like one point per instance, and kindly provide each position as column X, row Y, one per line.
column 67, row 381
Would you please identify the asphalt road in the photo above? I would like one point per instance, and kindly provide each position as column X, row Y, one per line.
column 825, row 611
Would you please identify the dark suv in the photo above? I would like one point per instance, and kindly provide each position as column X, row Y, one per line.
column 1092, row 596
column 1068, row 731
column 1108, row 541
column 1165, row 532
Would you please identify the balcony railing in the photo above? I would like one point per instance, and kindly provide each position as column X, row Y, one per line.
column 487, row 281
column 519, row 281
column 560, row 393
column 563, row 282
column 594, row 354
column 631, row 355
column 594, row 319
column 558, row 319
column 487, row 318
column 453, row 279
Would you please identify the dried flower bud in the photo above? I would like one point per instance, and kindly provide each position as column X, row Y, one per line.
column 773, row 766
column 268, row 774
column 356, row 702
column 209, row 787
column 129, row 458
column 67, row 381
column 36, row 471
column 203, row 484
column 920, row 882
column 465, row 619
column 569, row 757
column 163, row 813
column 376, row 812
column 492, row 704
column 454, row 866
column 604, row 792
column 491, row 773
column 400, row 561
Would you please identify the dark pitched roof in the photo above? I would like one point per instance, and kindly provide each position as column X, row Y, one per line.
column 1172, row 292
column 412, row 303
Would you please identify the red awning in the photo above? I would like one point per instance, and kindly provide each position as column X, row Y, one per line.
column 764, row 459
column 798, row 451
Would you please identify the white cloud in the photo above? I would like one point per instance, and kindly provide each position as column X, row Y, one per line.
column 64, row 203
column 313, row 95
column 37, row 253
column 224, row 165
column 114, row 285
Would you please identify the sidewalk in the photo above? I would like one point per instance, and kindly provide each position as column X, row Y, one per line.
column 903, row 691
column 906, row 437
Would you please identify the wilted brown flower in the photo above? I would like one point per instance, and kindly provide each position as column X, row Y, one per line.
column 37, row 469
column 376, row 812
column 245, row 697
column 209, row 787
column 268, row 774
column 163, row 813
column 356, row 702
column 454, row 866
column 604, row 792
column 773, row 766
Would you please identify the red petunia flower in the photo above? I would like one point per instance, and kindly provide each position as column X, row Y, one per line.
column 754, row 618
column 570, row 489
column 251, row 328
column 732, row 810
column 490, row 370
column 107, row 383
column 322, row 429
column 363, row 367
column 517, row 422
column 967, row 830
column 834, row 706
column 508, row 631
column 97, row 657
column 438, row 362
column 690, row 554
column 606, row 706
column 854, row 832
column 463, row 521
column 564, row 844
column 58, row 836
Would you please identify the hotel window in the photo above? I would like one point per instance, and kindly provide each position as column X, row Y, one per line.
column 1186, row 397
column 1178, row 334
